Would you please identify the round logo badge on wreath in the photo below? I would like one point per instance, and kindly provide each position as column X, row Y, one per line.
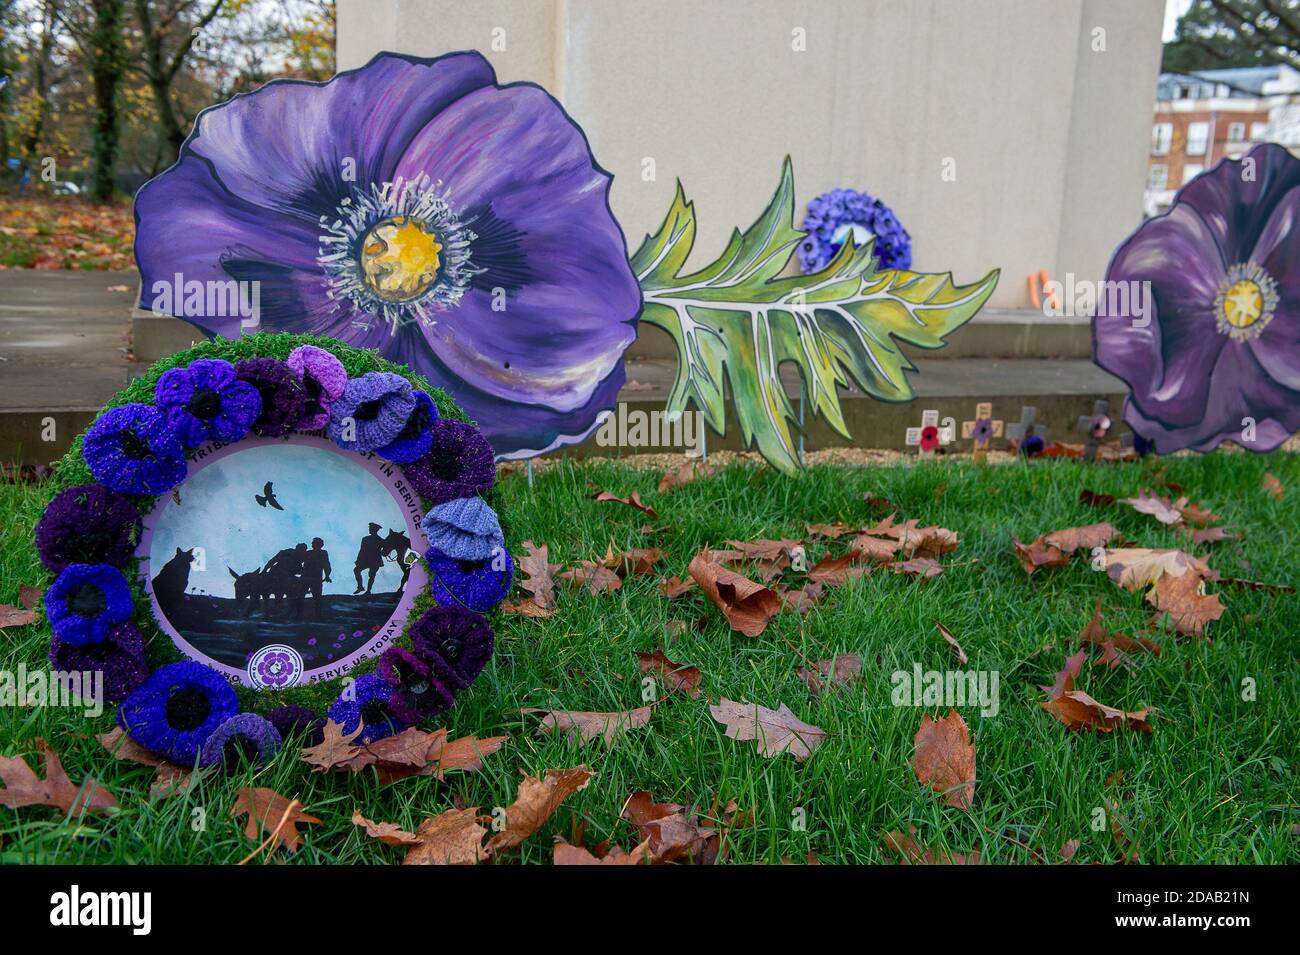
column 260, row 533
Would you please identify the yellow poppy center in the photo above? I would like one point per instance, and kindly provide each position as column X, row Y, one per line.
column 1243, row 304
column 399, row 259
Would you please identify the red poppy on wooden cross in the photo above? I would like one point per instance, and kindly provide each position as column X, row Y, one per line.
column 983, row 429
column 931, row 435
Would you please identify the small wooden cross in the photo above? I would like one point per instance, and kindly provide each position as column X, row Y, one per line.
column 930, row 436
column 1027, row 428
column 1095, row 426
column 982, row 430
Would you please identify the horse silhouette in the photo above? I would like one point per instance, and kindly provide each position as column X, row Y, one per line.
column 169, row 584
column 250, row 587
column 397, row 544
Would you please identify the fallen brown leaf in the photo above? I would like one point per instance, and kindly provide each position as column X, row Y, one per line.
column 538, row 574
column 912, row 854
column 11, row 616
column 775, row 731
column 1158, row 507
column 747, row 606
column 1134, row 568
column 535, row 803
column 685, row 474
column 922, row 567
column 1077, row 710
column 1071, row 539
column 835, row 571
column 594, row 576
column 671, row 832
column 1273, row 487
column 582, row 727
column 1038, row 553
column 632, row 500
column 945, row 759
column 453, row 837
column 565, row 854
column 336, row 750
column 678, row 676
column 672, row 587
column 634, row 562
column 269, row 812
column 386, row 832
column 22, row 787
column 1113, row 645
column 1184, row 599
column 842, row 669
column 952, row 642
column 1093, row 499
column 29, row 596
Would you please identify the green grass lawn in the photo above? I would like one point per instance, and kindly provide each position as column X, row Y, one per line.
column 1218, row 779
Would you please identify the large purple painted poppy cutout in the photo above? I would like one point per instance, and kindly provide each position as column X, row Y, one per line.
column 415, row 207
column 1216, row 357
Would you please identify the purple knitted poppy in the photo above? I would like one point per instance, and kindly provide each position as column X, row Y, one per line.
column 417, row 693
column 369, row 705
column 456, row 644
column 119, row 657
column 87, row 524
column 292, row 720
column 245, row 736
column 415, row 438
column 284, row 401
column 464, row 529
column 459, row 464
column 372, row 411
column 207, row 402
column 323, row 378
column 132, row 449
column 477, row 585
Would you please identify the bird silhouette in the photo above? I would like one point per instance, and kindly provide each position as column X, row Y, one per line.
column 269, row 498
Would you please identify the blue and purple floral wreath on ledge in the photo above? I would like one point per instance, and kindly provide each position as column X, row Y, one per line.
column 1216, row 356
column 268, row 385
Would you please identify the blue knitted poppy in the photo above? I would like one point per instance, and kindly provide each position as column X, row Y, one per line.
column 415, row 438
column 465, row 529
column 87, row 524
column 243, row 736
column 369, row 705
column 175, row 711
column 477, row 585
column 372, row 411
column 132, row 449
column 86, row 601
column 837, row 216
column 207, row 402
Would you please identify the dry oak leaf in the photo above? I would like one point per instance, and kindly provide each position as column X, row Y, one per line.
column 1071, row 539
column 912, row 854
column 538, row 574
column 596, row 577
column 453, row 837
column 1273, row 487
column 841, row 669
column 583, row 726
column 565, row 854
column 1158, row 507
column 775, row 731
column 748, row 606
column 442, row 756
column 1134, row 568
column 945, row 759
column 1184, row 599
column 337, row 750
column 922, row 567
column 169, row 779
column 949, row 639
column 29, row 596
column 22, row 787
column 535, row 802
column 679, row 677
column 688, row 472
column 11, row 616
column 269, row 812
column 1037, row 553
column 386, row 832
column 672, row 587
column 672, row 833
column 633, row 500
column 527, row 608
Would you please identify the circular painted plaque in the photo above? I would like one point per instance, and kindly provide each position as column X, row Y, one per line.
column 282, row 561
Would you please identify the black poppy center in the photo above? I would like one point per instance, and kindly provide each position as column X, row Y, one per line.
column 444, row 467
column 417, row 423
column 469, row 566
column 375, row 712
column 87, row 600
column 368, row 410
column 451, row 649
column 134, row 447
column 98, row 541
column 239, row 749
column 205, row 404
column 99, row 652
column 314, row 391
column 188, row 709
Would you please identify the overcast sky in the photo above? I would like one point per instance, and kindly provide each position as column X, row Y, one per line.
column 1173, row 10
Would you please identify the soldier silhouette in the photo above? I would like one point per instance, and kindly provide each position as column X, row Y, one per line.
column 370, row 556
column 285, row 571
column 316, row 573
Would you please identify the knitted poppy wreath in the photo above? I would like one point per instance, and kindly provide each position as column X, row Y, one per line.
column 201, row 548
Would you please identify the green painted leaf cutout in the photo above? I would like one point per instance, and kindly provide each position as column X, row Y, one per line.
column 737, row 320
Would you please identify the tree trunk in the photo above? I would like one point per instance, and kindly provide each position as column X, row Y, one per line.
column 106, row 67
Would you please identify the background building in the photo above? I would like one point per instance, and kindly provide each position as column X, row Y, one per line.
column 1210, row 115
